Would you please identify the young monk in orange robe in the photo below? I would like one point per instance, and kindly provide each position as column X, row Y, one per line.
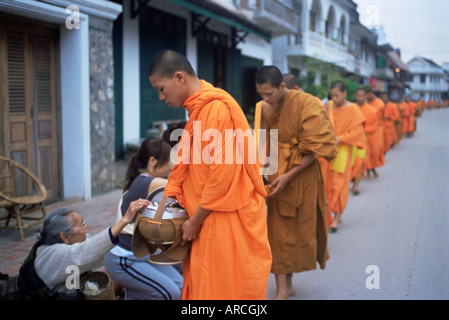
column 361, row 157
column 405, row 117
column 391, row 115
column 380, row 106
column 411, row 119
column 348, row 127
column 358, row 168
column 374, row 134
column 398, row 124
column 297, row 202
column 221, row 189
column 419, row 107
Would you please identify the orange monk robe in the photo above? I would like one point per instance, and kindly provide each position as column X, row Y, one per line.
column 391, row 115
column 445, row 103
column 358, row 163
column 398, row 123
column 405, row 117
column 411, row 119
column 380, row 106
column 297, row 215
column 231, row 257
column 348, row 126
column 374, row 137
column 419, row 108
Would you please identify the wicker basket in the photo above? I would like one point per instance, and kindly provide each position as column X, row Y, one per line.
column 106, row 290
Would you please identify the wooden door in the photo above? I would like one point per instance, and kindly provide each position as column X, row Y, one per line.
column 28, row 105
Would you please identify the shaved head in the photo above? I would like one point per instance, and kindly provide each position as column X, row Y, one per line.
column 291, row 80
column 269, row 75
column 167, row 62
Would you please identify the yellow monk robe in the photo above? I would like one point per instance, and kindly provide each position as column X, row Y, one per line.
column 231, row 258
column 298, row 215
column 348, row 126
column 391, row 115
column 374, row 137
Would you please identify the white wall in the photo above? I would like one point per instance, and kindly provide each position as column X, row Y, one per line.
column 257, row 48
column 75, row 110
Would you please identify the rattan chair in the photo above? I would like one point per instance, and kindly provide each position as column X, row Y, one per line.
column 21, row 194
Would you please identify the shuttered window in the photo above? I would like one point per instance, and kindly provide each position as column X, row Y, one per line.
column 43, row 73
column 16, row 72
column 28, row 106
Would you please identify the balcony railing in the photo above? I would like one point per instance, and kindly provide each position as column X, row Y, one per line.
column 281, row 17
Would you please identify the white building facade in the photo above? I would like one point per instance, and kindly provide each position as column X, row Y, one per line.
column 428, row 80
column 330, row 34
column 61, row 84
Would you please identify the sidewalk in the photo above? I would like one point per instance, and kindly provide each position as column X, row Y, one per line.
column 99, row 213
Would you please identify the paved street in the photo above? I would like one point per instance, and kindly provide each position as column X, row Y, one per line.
column 399, row 223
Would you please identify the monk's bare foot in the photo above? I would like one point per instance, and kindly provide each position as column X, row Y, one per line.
column 283, row 286
column 291, row 292
column 336, row 220
column 333, row 227
column 281, row 296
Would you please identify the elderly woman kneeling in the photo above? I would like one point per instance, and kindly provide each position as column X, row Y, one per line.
column 62, row 243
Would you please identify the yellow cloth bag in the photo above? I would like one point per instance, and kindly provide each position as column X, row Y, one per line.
column 357, row 153
column 339, row 163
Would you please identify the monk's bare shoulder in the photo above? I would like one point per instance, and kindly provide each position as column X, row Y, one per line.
column 267, row 109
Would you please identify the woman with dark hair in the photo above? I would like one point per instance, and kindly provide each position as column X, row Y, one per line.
column 147, row 171
column 62, row 243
